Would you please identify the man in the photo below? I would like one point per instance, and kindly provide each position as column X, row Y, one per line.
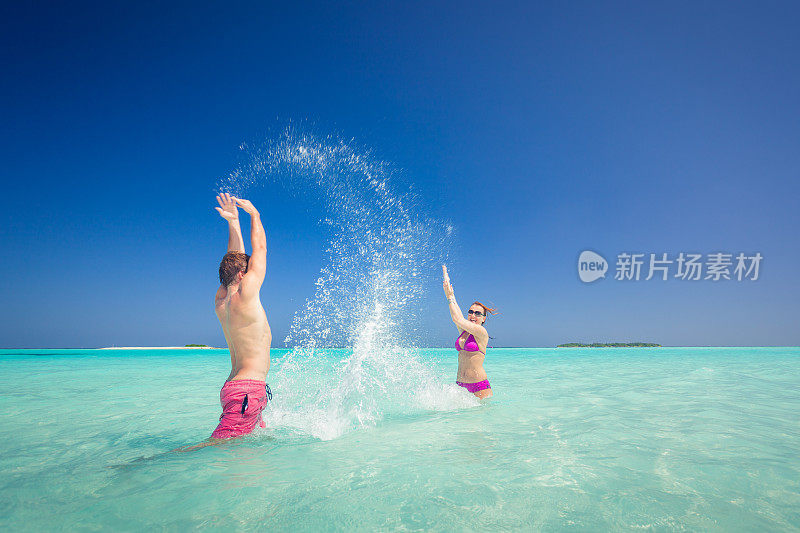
column 244, row 322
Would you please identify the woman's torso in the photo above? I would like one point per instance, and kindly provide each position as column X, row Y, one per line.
column 470, row 361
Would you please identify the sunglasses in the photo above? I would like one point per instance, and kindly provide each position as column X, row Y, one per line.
column 476, row 313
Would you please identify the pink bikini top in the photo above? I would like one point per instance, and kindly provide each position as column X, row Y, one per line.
column 471, row 345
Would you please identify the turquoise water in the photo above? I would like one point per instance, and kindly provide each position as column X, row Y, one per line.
column 574, row 439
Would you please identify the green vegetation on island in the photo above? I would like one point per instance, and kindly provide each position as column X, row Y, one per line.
column 197, row 346
column 610, row 345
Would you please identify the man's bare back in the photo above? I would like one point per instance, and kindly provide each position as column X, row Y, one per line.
column 247, row 333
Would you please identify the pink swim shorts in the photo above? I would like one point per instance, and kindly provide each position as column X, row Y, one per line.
column 475, row 387
column 242, row 402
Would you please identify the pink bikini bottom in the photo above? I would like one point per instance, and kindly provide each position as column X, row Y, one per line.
column 475, row 387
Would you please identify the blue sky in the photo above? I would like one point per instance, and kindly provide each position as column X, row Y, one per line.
column 539, row 130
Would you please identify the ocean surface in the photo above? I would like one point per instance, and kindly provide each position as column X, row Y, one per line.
column 653, row 439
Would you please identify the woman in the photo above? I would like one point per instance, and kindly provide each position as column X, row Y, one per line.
column 471, row 342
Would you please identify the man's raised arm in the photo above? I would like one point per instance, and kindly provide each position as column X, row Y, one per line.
column 257, row 267
column 227, row 210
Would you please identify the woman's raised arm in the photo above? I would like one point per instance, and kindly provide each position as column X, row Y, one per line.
column 455, row 312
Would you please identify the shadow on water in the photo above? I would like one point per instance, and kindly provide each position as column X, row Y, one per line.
column 244, row 440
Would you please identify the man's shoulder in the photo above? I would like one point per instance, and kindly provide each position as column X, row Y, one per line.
column 221, row 293
column 251, row 286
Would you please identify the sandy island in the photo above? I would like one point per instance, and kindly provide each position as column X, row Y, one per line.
column 161, row 348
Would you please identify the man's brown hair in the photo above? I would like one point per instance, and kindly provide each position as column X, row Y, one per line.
column 232, row 264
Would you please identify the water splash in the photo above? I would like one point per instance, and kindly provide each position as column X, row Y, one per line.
column 381, row 253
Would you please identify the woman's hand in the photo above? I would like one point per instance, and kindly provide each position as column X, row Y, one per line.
column 448, row 289
column 227, row 207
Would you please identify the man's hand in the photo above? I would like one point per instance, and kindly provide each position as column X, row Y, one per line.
column 248, row 207
column 227, row 207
